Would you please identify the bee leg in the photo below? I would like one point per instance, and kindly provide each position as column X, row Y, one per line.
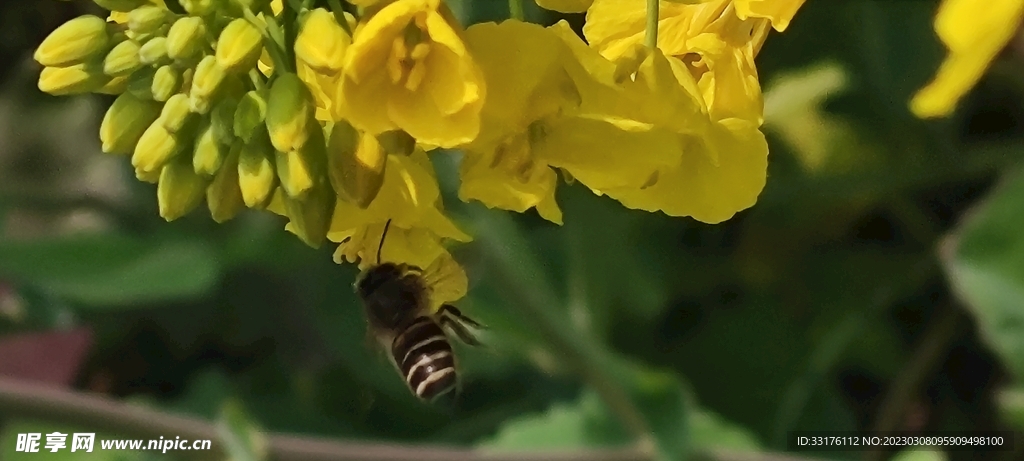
column 452, row 311
column 459, row 330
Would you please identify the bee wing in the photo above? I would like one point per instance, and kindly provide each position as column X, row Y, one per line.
column 459, row 325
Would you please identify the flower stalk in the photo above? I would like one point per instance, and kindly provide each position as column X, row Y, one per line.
column 515, row 9
column 651, row 33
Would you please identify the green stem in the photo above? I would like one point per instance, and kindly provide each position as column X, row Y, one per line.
column 533, row 297
column 515, row 9
column 276, row 32
column 273, row 39
column 651, row 37
column 257, row 80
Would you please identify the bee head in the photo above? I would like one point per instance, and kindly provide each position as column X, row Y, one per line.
column 376, row 277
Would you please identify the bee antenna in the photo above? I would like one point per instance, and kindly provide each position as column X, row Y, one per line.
column 382, row 235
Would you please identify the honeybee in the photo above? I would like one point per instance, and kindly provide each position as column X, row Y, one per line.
column 396, row 298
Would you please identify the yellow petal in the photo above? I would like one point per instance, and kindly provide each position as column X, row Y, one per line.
column 780, row 12
column 975, row 36
column 409, row 195
column 565, row 6
column 527, row 63
column 699, row 188
column 605, row 153
column 506, row 190
column 614, row 26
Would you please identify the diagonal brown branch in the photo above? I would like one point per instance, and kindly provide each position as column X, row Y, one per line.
column 31, row 400
column 95, row 413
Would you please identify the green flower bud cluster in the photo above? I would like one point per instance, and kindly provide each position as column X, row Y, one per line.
column 200, row 119
column 188, row 110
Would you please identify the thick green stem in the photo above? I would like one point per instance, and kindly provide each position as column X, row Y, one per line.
column 651, row 37
column 515, row 9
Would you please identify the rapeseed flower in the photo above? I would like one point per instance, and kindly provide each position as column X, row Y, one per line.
column 535, row 124
column 325, row 118
column 408, row 69
column 705, row 55
column 974, row 34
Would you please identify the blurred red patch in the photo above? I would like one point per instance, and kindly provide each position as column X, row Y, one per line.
column 52, row 357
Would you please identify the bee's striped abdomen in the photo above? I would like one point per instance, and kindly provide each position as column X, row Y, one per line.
column 424, row 356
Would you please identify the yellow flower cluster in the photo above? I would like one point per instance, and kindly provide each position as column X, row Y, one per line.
column 329, row 118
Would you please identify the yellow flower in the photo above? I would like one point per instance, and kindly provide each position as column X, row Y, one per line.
column 409, row 69
column 716, row 45
column 723, row 167
column 974, row 33
column 780, row 12
column 723, row 158
column 534, row 124
column 410, row 197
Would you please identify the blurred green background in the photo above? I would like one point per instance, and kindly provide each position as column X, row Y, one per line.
column 878, row 282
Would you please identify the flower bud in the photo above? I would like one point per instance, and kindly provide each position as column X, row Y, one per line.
column 199, row 7
column 310, row 217
column 207, row 78
column 224, row 194
column 116, row 85
column 249, row 115
column 299, row 170
column 155, row 148
column 153, row 51
column 79, row 78
column 123, row 59
column 256, row 175
column 151, row 177
column 180, row 190
column 147, row 19
column 175, row 113
column 120, row 5
column 355, row 164
column 239, row 46
column 289, row 112
column 185, row 38
column 209, row 154
column 322, row 42
column 397, row 142
column 222, row 121
column 73, row 42
column 140, row 83
column 125, row 121
column 166, row 82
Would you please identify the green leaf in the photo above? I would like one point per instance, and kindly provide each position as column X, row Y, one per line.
column 984, row 259
column 1011, row 407
column 241, row 437
column 709, row 430
column 107, row 269
column 920, row 454
column 589, row 423
column 561, row 426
